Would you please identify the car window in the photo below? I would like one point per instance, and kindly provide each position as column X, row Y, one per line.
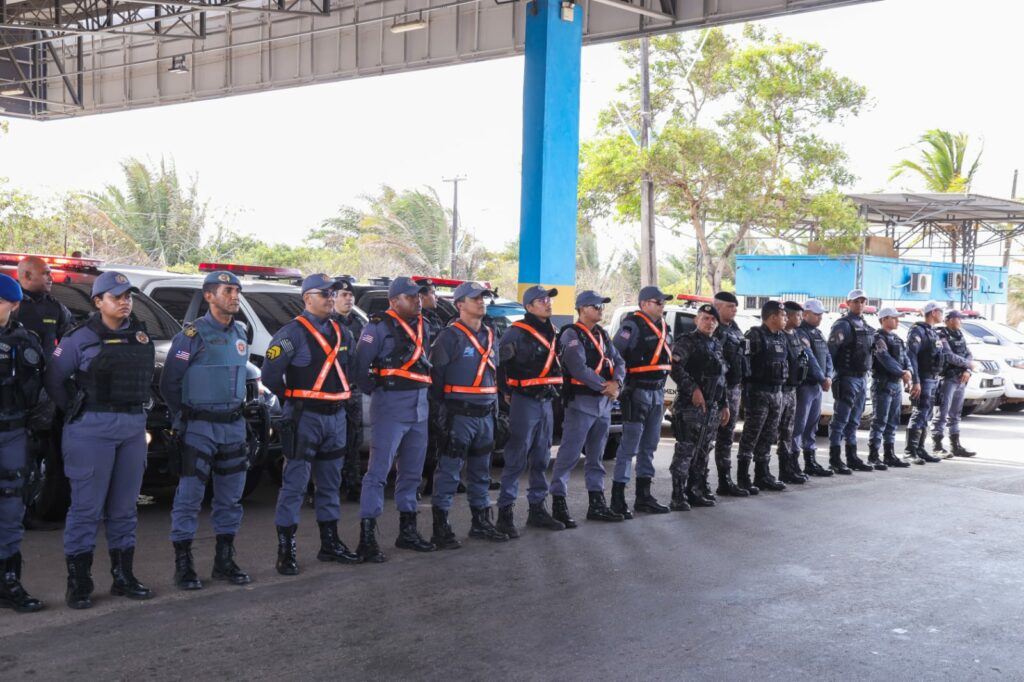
column 274, row 309
column 1009, row 333
column 77, row 297
column 684, row 324
column 240, row 316
column 374, row 304
column 976, row 329
column 175, row 300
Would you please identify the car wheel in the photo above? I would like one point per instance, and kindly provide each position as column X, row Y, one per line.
column 988, row 406
column 968, row 410
column 1011, row 407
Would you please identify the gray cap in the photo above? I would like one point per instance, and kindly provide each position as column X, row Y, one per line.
column 319, row 281
column 406, row 285
column 114, row 282
column 537, row 291
column 590, row 297
column 470, row 289
column 653, row 294
column 954, row 314
column 889, row 312
column 855, row 294
column 930, row 306
column 813, row 305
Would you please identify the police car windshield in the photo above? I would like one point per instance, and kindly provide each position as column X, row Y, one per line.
column 78, row 298
column 274, row 309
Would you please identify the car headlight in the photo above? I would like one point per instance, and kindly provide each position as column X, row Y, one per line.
column 1016, row 363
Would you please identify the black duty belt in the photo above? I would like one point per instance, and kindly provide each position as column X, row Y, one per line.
column 11, row 424
column 124, row 408
column 466, row 409
column 322, row 406
column 214, row 416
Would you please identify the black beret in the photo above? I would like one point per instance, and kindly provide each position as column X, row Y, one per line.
column 726, row 297
column 710, row 310
column 770, row 308
column 793, row 306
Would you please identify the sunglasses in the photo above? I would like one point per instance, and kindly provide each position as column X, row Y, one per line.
column 596, row 306
column 542, row 299
column 331, row 293
column 656, row 301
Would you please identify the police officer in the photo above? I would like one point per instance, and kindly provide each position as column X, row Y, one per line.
column 849, row 342
column 808, row 394
column 434, row 322
column 890, row 373
column 464, row 372
column 344, row 315
column 101, row 376
column 645, row 344
column 391, row 365
column 768, row 359
column 949, row 395
column 21, row 380
column 40, row 312
column 308, row 367
column 594, row 375
column 802, row 367
column 203, row 383
column 730, row 338
column 927, row 355
column 531, row 375
column 699, row 369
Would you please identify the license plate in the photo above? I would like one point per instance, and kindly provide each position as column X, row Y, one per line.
column 997, row 381
column 992, row 383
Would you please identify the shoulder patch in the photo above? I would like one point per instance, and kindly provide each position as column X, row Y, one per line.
column 190, row 330
column 273, row 352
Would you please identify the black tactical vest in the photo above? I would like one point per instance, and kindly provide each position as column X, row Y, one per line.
column 304, row 378
column 606, row 371
column 120, row 378
column 768, row 356
column 929, row 354
column 519, row 370
column 21, row 374
column 642, row 355
column 733, row 346
column 706, row 364
column 819, row 346
column 41, row 315
column 957, row 346
column 403, row 351
column 896, row 348
column 854, row 356
column 797, row 360
column 353, row 323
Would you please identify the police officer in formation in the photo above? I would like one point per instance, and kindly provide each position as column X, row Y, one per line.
column 530, row 374
column 808, row 394
column 850, row 343
column 39, row 311
column 890, row 373
column 21, row 381
column 464, row 363
column 352, row 473
column 802, row 367
column 308, row 367
column 733, row 343
column 927, row 354
column 434, row 322
column 101, row 377
column 699, row 369
column 768, row 359
column 949, row 396
column 203, row 383
column 645, row 344
column 594, row 375
column 391, row 365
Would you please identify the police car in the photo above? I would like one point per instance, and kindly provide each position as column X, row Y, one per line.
column 72, row 286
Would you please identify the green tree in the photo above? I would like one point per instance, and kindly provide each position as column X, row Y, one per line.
column 940, row 162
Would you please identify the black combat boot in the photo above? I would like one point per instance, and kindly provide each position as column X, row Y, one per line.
column 835, row 460
column 79, row 592
column 185, row 577
column 483, row 528
column 855, row 462
column 287, row 562
column 763, row 478
column 598, row 509
column 695, row 496
column 786, row 473
column 125, row 583
column 890, row 458
column 618, row 504
column 705, row 487
column 507, row 521
column 538, row 517
column 409, row 537
column 937, row 449
column 645, row 501
column 368, row 549
column 913, row 437
column 874, row 460
column 331, row 546
column 743, row 476
column 12, row 594
column 922, row 452
column 678, row 501
column 725, row 483
column 443, row 535
column 560, row 511
column 224, row 566
column 958, row 449
column 812, row 467
column 794, row 457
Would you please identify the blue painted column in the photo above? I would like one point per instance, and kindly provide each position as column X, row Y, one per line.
column 551, row 147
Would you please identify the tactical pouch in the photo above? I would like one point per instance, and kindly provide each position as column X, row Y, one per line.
column 12, row 482
column 288, row 432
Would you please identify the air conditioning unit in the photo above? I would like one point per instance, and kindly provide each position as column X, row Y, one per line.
column 954, row 280
column 920, row 283
column 975, row 283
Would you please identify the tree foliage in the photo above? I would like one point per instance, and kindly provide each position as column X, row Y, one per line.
column 940, row 162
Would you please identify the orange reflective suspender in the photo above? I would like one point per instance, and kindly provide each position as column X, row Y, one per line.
column 543, row 379
column 599, row 344
column 485, row 361
column 416, row 338
column 661, row 334
column 332, row 361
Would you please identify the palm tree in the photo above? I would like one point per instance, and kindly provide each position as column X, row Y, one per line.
column 941, row 162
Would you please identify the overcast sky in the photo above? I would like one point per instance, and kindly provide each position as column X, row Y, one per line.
column 926, row 63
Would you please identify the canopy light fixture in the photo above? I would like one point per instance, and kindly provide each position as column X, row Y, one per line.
column 12, row 91
column 178, row 64
column 416, row 24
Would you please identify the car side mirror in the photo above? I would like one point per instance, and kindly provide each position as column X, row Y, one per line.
column 990, row 339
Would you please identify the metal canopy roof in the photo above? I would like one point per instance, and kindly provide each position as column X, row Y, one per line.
column 905, row 208
column 61, row 58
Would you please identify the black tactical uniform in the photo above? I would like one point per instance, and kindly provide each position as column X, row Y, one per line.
column 768, row 355
column 734, row 346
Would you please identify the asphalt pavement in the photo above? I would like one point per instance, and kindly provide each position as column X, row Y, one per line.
column 912, row 573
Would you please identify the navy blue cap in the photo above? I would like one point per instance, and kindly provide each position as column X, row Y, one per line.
column 10, row 290
column 653, row 294
column 590, row 297
column 470, row 289
column 710, row 310
column 113, row 282
column 953, row 314
column 222, row 277
column 407, row 286
column 537, row 291
column 319, row 281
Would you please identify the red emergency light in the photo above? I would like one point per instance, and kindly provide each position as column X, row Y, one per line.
column 870, row 309
column 256, row 270
column 694, row 298
column 9, row 258
column 908, row 310
column 442, row 282
column 970, row 313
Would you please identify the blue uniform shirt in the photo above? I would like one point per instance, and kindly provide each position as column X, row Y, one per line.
column 454, row 360
column 290, row 347
column 401, row 406
column 75, row 352
column 574, row 358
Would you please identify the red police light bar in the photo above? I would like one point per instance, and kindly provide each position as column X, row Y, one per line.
column 694, row 298
column 257, row 270
column 56, row 261
column 870, row 309
column 442, row 282
column 908, row 310
column 970, row 313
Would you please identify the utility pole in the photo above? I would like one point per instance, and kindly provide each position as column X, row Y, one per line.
column 1008, row 242
column 648, row 254
column 455, row 218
